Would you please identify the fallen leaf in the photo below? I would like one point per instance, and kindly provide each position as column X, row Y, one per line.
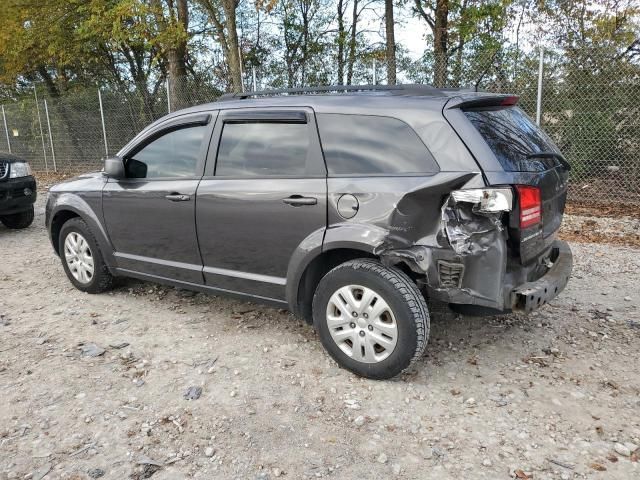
column 599, row 467
column 521, row 475
column 612, row 458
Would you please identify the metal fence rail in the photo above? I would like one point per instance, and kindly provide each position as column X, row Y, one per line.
column 593, row 116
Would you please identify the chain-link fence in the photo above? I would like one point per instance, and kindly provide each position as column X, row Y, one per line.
column 590, row 107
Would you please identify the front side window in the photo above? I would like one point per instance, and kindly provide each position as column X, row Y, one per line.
column 372, row 145
column 250, row 149
column 174, row 154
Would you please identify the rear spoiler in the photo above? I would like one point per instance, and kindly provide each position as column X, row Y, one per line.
column 483, row 101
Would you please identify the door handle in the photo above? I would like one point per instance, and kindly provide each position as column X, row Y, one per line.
column 178, row 197
column 299, row 200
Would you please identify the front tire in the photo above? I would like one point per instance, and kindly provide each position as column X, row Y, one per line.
column 18, row 220
column 81, row 258
column 372, row 319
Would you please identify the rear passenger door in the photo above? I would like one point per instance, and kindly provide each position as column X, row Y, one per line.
column 263, row 193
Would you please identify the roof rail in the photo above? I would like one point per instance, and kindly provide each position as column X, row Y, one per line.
column 409, row 89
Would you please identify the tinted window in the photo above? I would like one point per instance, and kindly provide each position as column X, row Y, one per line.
column 366, row 145
column 175, row 154
column 512, row 136
column 263, row 149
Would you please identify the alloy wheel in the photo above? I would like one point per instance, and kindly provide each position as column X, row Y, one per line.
column 362, row 324
column 79, row 258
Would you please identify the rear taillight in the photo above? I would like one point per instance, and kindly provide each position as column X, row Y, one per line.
column 530, row 205
column 486, row 200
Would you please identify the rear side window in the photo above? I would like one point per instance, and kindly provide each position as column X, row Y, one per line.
column 372, row 145
column 512, row 136
column 250, row 149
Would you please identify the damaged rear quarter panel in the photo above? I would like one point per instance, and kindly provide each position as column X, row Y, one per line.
column 400, row 220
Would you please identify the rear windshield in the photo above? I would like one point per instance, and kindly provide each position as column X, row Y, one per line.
column 512, row 136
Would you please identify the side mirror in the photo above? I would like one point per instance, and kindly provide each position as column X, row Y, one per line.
column 114, row 168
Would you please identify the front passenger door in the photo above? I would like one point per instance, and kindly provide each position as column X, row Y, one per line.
column 150, row 214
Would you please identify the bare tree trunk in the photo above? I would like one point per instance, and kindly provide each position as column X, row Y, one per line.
column 352, row 43
column 457, row 68
column 233, row 57
column 342, row 36
column 175, row 56
column 440, row 43
column 304, row 11
column 390, row 42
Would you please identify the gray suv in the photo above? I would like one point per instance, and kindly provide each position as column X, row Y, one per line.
column 348, row 205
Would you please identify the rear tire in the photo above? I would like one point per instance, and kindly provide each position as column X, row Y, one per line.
column 372, row 319
column 18, row 220
column 81, row 258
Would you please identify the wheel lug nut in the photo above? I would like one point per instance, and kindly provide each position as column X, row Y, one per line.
column 352, row 325
column 362, row 333
column 365, row 315
column 370, row 327
column 355, row 314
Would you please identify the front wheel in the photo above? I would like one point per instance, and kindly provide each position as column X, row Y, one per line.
column 18, row 220
column 372, row 319
column 81, row 258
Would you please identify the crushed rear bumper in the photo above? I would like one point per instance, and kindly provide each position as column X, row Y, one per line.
column 531, row 295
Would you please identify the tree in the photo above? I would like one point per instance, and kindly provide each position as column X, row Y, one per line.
column 222, row 14
column 390, row 42
column 341, row 39
column 437, row 17
column 172, row 22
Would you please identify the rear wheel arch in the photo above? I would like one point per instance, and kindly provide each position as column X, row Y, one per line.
column 317, row 268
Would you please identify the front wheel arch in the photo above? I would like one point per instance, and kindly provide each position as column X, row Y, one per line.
column 59, row 219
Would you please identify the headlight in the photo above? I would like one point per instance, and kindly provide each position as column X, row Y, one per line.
column 19, row 169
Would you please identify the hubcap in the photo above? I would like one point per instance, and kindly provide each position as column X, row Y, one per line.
column 362, row 324
column 79, row 258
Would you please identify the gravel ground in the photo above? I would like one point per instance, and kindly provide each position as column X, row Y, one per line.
column 94, row 386
column 622, row 230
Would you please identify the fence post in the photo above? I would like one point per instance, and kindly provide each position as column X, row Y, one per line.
column 539, row 100
column 253, row 74
column 44, row 150
column 104, row 127
column 374, row 71
column 6, row 130
column 241, row 70
column 168, row 97
column 53, row 152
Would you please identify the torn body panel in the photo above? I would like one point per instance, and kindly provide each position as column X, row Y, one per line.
column 457, row 252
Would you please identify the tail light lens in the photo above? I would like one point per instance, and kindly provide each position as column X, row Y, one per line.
column 530, row 205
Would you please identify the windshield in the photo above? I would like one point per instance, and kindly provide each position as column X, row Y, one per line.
column 512, row 137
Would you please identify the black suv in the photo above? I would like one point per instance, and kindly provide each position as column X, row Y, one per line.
column 349, row 205
column 17, row 192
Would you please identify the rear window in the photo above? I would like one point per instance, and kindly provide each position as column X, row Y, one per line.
column 372, row 145
column 512, row 136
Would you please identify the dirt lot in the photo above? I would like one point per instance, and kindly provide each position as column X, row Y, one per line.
column 555, row 395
